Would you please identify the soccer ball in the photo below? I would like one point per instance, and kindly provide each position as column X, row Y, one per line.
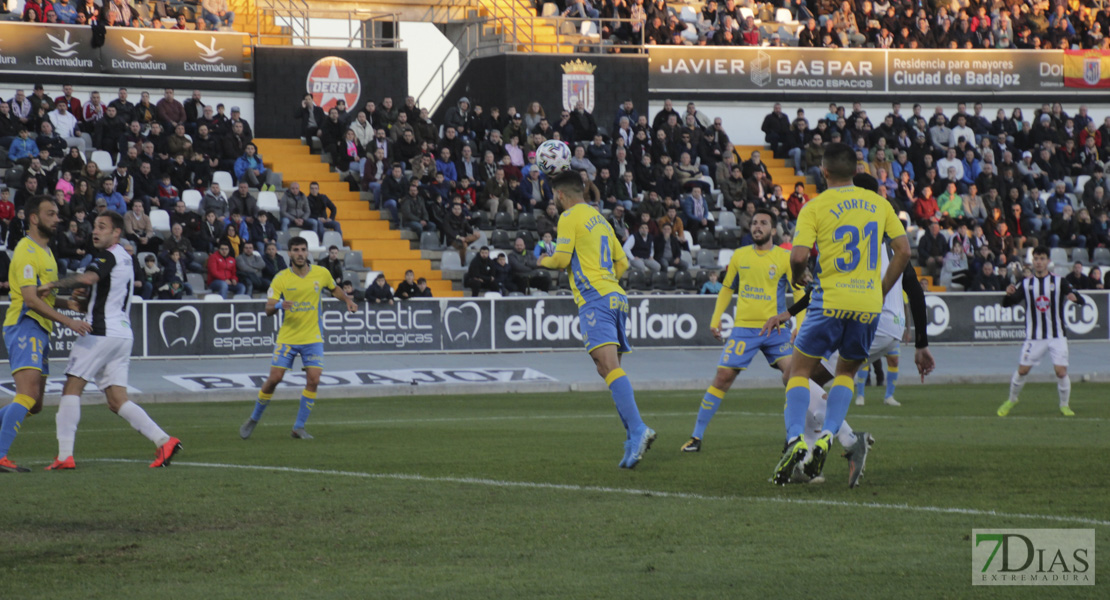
column 553, row 157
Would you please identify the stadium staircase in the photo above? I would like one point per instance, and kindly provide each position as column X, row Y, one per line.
column 384, row 250
column 252, row 19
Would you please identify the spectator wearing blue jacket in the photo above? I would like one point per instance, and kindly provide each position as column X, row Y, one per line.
column 972, row 168
column 249, row 166
column 445, row 165
column 695, row 212
column 23, row 149
column 113, row 200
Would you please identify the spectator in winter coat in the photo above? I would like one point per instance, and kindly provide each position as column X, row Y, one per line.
column 223, row 275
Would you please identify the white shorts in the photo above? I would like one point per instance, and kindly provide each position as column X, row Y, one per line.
column 101, row 359
column 1033, row 350
column 882, row 346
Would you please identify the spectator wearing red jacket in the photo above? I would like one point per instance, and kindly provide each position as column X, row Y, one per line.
column 925, row 207
column 797, row 200
column 222, row 272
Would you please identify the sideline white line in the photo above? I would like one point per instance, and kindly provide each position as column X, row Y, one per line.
column 623, row 491
column 690, row 413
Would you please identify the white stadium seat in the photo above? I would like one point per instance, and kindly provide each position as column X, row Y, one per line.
column 226, row 181
column 192, row 199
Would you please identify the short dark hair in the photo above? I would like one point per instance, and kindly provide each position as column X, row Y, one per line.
column 770, row 215
column 332, row 247
column 866, row 181
column 1042, row 250
column 570, row 182
column 113, row 216
column 840, row 161
column 35, row 202
column 297, row 241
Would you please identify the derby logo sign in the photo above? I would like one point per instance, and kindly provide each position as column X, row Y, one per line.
column 578, row 84
column 333, row 79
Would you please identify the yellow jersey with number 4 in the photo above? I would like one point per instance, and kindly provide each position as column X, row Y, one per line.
column 847, row 225
column 301, row 324
column 31, row 265
column 593, row 248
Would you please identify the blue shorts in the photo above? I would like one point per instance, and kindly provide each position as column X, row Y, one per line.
column 28, row 346
column 602, row 322
column 827, row 330
column 745, row 342
column 312, row 355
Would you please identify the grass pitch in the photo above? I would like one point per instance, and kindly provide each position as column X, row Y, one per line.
column 519, row 496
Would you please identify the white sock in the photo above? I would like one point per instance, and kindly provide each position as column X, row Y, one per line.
column 1063, row 387
column 1016, row 383
column 846, row 436
column 137, row 417
column 815, row 415
column 69, row 415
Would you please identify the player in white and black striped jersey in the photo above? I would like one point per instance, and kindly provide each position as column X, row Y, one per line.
column 104, row 356
column 1044, row 295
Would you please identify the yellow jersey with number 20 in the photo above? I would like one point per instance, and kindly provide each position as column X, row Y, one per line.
column 593, row 248
column 847, row 225
column 301, row 324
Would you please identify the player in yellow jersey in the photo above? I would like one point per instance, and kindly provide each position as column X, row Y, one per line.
column 759, row 275
column 591, row 251
column 847, row 225
column 29, row 321
column 296, row 292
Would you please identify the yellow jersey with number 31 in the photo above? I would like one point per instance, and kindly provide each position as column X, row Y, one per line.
column 593, row 248
column 847, row 225
column 301, row 323
column 31, row 265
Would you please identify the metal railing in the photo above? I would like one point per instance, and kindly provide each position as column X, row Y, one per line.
column 297, row 21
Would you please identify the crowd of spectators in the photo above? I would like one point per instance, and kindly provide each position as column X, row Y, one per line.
column 157, row 14
column 476, row 170
column 980, row 190
column 1011, row 24
column 158, row 152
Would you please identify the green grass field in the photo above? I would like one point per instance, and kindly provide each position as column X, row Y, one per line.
column 519, row 496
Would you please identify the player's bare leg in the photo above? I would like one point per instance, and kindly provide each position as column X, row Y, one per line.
column 264, row 396
column 29, row 386
column 639, row 436
column 308, row 401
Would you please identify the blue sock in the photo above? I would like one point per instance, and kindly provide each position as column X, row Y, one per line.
column 2, row 410
column 625, row 400
column 308, row 400
column 260, row 405
column 797, row 404
column 861, row 380
column 13, row 420
column 840, row 397
column 891, row 379
column 709, row 405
